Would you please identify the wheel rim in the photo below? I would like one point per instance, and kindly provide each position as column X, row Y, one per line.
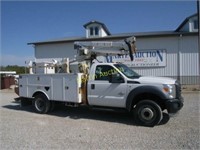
column 39, row 104
column 147, row 114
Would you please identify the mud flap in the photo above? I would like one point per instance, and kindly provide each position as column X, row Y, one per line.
column 24, row 101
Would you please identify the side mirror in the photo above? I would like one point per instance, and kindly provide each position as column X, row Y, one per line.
column 116, row 78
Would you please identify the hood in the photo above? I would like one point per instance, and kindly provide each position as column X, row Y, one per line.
column 155, row 80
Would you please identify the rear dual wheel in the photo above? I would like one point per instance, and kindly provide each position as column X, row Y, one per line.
column 42, row 105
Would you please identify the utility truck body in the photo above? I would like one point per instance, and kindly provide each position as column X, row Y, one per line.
column 110, row 85
column 59, row 87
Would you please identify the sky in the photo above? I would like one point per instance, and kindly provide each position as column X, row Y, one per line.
column 30, row 21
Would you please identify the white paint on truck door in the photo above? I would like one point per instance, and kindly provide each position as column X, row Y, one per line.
column 71, row 89
column 66, row 88
column 23, row 88
column 57, row 88
column 103, row 93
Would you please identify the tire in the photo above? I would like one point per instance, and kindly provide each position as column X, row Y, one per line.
column 41, row 104
column 52, row 106
column 148, row 113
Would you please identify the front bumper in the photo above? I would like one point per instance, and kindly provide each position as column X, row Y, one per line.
column 174, row 105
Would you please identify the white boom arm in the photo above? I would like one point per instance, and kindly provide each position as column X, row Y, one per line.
column 90, row 50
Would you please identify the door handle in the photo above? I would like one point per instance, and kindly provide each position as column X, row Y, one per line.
column 92, row 86
column 120, row 94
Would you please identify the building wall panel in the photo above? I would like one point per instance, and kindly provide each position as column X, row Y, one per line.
column 189, row 60
column 56, row 50
column 182, row 56
column 160, row 43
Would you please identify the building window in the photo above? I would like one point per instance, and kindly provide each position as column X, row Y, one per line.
column 91, row 31
column 195, row 24
column 96, row 30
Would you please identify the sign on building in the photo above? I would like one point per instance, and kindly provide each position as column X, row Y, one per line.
column 142, row 58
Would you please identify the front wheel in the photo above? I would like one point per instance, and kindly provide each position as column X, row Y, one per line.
column 41, row 104
column 148, row 113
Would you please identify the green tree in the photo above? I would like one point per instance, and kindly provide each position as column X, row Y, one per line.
column 18, row 69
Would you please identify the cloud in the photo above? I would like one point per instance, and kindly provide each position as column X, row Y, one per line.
column 14, row 60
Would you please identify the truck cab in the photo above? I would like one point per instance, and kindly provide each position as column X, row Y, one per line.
column 116, row 85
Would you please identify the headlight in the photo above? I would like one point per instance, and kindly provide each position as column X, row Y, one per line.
column 170, row 90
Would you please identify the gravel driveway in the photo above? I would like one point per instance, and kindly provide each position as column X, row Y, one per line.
column 85, row 128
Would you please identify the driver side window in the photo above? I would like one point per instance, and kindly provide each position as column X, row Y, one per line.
column 104, row 72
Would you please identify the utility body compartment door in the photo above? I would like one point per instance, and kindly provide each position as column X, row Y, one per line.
column 58, row 87
column 102, row 92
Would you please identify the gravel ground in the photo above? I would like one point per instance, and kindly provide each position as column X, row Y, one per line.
column 83, row 128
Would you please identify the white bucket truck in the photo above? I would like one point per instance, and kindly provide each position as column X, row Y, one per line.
column 87, row 81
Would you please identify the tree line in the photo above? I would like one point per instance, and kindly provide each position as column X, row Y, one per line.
column 18, row 69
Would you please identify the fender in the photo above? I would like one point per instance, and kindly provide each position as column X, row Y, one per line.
column 40, row 91
column 143, row 90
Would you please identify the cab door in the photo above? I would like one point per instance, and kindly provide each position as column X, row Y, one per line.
column 108, row 88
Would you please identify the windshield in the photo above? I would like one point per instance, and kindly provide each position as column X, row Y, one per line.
column 127, row 71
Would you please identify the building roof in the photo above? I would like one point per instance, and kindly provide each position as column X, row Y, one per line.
column 116, row 36
column 184, row 22
column 177, row 32
column 7, row 72
column 67, row 39
column 100, row 23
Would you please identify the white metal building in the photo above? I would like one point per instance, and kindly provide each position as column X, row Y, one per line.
column 171, row 53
